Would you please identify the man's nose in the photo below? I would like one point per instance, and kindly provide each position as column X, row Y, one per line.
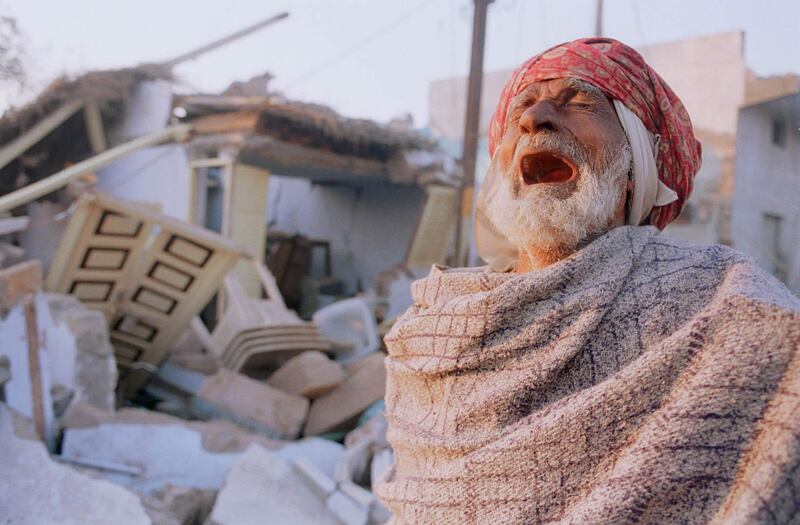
column 538, row 117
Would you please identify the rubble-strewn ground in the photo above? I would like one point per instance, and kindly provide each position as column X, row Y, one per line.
column 201, row 444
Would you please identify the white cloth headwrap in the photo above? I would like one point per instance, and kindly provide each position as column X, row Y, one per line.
column 648, row 191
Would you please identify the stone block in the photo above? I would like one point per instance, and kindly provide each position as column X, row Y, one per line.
column 262, row 487
column 336, row 409
column 310, row 374
column 255, row 404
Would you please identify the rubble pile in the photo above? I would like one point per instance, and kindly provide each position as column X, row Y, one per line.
column 300, row 441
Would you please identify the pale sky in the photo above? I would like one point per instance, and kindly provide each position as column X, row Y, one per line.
column 369, row 58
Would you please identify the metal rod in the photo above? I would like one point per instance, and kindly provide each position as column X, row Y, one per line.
column 60, row 179
column 191, row 55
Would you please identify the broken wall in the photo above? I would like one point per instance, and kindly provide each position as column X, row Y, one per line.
column 369, row 226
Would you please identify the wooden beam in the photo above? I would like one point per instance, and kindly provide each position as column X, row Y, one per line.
column 215, row 162
column 63, row 177
column 94, row 127
column 20, row 145
column 245, row 121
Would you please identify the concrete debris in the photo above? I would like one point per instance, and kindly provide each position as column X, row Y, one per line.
column 354, row 464
column 347, row 510
column 35, row 489
column 381, row 463
column 310, row 374
column 322, row 485
column 357, row 493
column 95, row 368
column 180, row 505
column 335, row 410
column 262, row 487
column 24, row 336
column 166, row 454
column 322, row 453
column 254, row 404
column 217, row 436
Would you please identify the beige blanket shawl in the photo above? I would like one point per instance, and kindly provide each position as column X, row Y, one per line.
column 642, row 380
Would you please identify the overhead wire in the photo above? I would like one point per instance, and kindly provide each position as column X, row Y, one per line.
column 390, row 25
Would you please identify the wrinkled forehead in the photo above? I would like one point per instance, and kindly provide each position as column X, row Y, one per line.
column 558, row 86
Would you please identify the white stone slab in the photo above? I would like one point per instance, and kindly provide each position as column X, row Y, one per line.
column 264, row 488
column 166, row 454
column 35, row 489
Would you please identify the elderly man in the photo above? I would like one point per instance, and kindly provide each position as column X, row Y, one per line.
column 595, row 372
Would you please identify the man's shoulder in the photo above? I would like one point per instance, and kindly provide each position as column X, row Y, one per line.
column 733, row 272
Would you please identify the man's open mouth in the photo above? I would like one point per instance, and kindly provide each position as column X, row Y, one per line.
column 545, row 167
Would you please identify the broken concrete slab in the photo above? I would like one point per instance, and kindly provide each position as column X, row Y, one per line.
column 322, row 485
column 335, row 410
column 35, row 489
column 310, row 374
column 253, row 404
column 347, row 510
column 24, row 335
column 165, row 454
column 180, row 505
column 323, row 453
column 263, row 487
column 217, row 436
column 95, row 368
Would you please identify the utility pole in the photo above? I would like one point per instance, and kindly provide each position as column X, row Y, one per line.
column 471, row 131
column 598, row 20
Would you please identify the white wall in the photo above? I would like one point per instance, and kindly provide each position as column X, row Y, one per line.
column 369, row 227
column 767, row 181
column 158, row 175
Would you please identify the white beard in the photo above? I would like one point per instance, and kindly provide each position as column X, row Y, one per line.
column 538, row 219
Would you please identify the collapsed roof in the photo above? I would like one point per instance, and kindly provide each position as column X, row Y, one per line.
column 69, row 143
column 313, row 141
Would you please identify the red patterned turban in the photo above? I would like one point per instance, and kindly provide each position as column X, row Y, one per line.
column 621, row 73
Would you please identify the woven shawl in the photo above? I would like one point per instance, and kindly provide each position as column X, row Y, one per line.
column 642, row 380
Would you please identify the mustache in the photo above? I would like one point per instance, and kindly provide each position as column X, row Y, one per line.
column 560, row 144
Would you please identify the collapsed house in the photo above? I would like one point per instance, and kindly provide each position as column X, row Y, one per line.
column 204, row 278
